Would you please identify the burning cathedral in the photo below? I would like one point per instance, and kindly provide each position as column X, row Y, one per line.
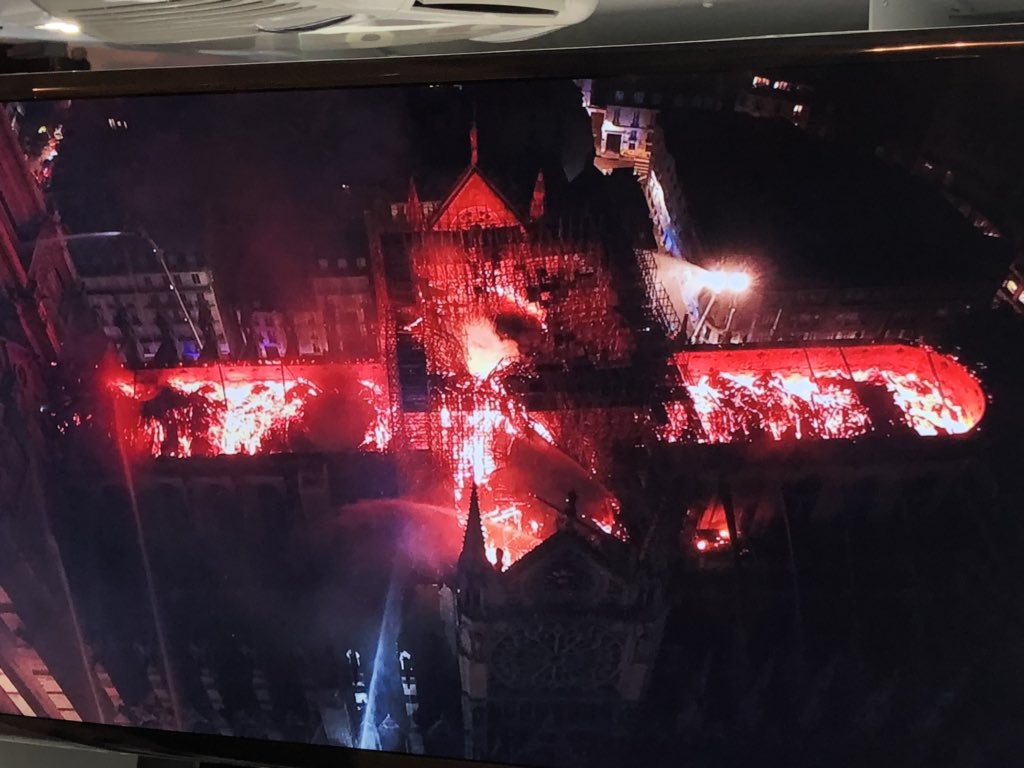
column 528, row 385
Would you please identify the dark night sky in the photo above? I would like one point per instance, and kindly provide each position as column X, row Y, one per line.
column 259, row 181
column 820, row 211
column 267, row 183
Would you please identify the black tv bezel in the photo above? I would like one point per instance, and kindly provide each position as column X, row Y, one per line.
column 596, row 62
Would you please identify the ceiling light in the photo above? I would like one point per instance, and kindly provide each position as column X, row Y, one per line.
column 64, row 27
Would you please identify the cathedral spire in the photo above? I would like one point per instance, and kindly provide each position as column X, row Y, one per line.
column 413, row 207
column 474, row 553
column 537, row 203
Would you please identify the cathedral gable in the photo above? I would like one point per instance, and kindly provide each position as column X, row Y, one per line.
column 475, row 203
column 563, row 569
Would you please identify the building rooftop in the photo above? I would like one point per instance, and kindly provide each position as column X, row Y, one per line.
column 125, row 255
column 820, row 213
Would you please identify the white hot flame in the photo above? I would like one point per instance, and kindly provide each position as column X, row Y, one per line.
column 485, row 350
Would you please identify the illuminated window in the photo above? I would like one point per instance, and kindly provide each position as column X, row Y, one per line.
column 1021, row 298
column 342, row 263
column 761, row 82
column 1011, row 285
column 61, row 702
column 798, row 108
column 12, row 620
column 619, row 96
column 16, row 698
column 638, row 97
column 360, row 262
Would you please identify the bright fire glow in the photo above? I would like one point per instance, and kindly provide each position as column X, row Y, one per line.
column 783, row 394
column 479, row 423
column 719, row 281
column 731, row 407
column 485, row 350
column 378, row 433
column 480, row 299
column 228, row 418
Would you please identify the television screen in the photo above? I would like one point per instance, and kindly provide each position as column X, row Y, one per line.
column 667, row 420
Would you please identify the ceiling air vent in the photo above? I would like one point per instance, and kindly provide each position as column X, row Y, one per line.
column 526, row 8
column 174, row 21
column 312, row 26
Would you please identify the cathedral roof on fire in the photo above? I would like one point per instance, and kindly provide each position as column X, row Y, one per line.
column 578, row 564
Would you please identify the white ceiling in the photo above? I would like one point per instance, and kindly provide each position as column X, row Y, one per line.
column 618, row 22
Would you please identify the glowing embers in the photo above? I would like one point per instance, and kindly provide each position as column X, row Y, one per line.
column 378, row 433
column 481, row 426
column 479, row 423
column 712, row 532
column 507, row 538
column 485, row 350
column 252, row 409
column 822, row 393
column 745, row 406
column 205, row 418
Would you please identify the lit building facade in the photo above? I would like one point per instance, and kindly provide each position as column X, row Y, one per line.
column 142, row 299
column 343, row 299
column 46, row 667
column 622, row 121
column 1012, row 289
column 776, row 98
column 911, row 295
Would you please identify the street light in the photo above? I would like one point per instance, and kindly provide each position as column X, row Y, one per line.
column 719, row 281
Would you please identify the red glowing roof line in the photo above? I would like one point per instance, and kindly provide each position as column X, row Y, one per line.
column 509, row 214
column 574, row 542
column 814, row 389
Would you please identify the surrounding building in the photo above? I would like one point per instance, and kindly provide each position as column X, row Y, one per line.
column 906, row 281
column 289, row 334
column 341, row 316
column 46, row 665
column 157, row 308
column 226, row 676
column 343, row 300
column 622, row 119
column 1012, row 289
column 776, row 97
column 268, row 327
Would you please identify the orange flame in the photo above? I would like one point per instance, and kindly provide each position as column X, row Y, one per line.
column 241, row 414
column 378, row 433
column 766, row 393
